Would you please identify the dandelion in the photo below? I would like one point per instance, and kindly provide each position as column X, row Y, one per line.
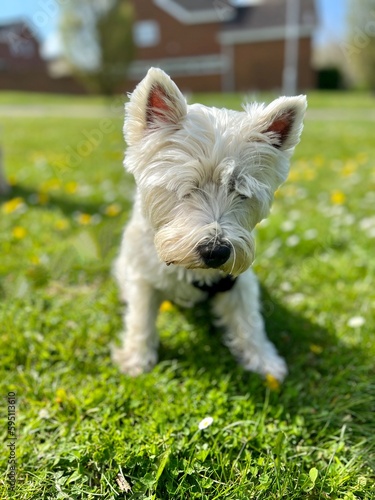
column 12, row 181
column 50, row 185
column 349, row 168
column 113, row 210
column 309, row 174
column 61, row 224
column 19, row 232
column 294, row 175
column 166, row 306
column 272, row 383
column 356, row 322
column 319, row 160
column 362, row 157
column 206, row 422
column 337, row 197
column 12, row 205
column 316, row 349
column 71, row 187
column 61, row 395
column 84, row 219
column 42, row 198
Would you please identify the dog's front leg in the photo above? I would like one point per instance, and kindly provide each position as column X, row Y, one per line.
column 138, row 353
column 239, row 312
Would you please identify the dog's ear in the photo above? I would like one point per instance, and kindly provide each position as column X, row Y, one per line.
column 282, row 121
column 156, row 103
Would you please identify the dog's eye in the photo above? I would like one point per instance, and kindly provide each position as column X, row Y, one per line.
column 231, row 186
column 243, row 197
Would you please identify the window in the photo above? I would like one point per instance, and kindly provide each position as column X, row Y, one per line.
column 146, row 33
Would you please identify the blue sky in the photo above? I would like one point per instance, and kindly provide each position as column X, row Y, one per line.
column 43, row 15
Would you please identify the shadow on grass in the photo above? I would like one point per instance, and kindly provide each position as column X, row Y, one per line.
column 328, row 380
column 292, row 334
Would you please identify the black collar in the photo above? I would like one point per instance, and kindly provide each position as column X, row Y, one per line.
column 223, row 285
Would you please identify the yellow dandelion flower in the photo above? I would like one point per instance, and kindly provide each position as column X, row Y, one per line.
column 294, row 175
column 71, row 187
column 166, row 306
column 61, row 395
column 19, row 232
column 309, row 174
column 272, row 383
column 35, row 260
column 50, row 185
column 337, row 197
column 349, row 168
column 362, row 158
column 84, row 219
column 319, row 160
column 12, row 205
column 61, row 224
column 316, row 349
column 43, row 198
column 113, row 210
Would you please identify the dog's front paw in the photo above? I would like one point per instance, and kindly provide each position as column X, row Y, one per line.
column 134, row 363
column 269, row 363
column 277, row 367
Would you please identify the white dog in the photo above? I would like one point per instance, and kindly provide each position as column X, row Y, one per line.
column 205, row 177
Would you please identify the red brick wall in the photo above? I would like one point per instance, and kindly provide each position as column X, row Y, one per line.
column 22, row 68
column 260, row 65
column 176, row 39
column 179, row 40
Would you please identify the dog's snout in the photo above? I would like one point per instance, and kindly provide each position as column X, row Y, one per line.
column 214, row 255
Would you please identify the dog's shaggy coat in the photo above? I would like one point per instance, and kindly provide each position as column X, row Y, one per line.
column 205, row 177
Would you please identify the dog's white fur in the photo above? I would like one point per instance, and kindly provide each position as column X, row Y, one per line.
column 205, row 177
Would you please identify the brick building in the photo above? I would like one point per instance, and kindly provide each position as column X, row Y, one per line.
column 205, row 45
column 219, row 45
column 23, row 68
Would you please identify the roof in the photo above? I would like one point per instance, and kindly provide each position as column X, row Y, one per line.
column 270, row 13
column 19, row 39
column 19, row 26
column 194, row 5
column 238, row 15
column 197, row 11
column 268, row 21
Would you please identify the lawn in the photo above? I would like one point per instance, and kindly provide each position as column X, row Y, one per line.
column 83, row 430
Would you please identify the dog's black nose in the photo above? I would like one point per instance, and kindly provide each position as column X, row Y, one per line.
column 214, row 255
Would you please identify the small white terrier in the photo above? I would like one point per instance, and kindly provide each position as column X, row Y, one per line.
column 205, row 177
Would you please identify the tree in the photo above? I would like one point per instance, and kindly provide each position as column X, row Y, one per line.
column 360, row 49
column 97, row 40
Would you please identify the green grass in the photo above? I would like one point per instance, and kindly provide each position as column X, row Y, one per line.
column 81, row 425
